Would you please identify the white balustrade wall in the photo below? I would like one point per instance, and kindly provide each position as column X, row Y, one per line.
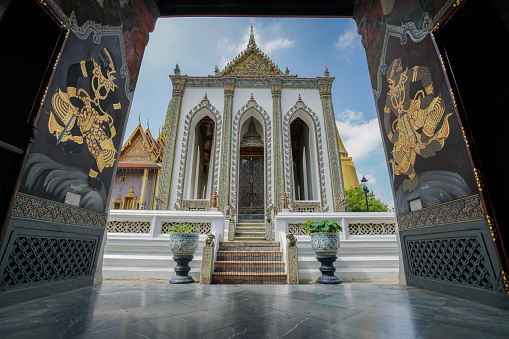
column 138, row 247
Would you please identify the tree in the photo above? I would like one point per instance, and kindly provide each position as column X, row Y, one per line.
column 357, row 201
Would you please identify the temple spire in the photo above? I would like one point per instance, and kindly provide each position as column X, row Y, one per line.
column 252, row 43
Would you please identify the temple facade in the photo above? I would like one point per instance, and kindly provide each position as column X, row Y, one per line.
column 138, row 170
column 252, row 134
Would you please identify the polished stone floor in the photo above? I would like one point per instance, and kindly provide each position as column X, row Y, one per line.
column 128, row 310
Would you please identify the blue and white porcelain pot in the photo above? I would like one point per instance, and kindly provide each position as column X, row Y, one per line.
column 183, row 244
column 325, row 244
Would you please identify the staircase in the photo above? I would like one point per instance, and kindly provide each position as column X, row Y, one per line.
column 250, row 262
column 250, row 225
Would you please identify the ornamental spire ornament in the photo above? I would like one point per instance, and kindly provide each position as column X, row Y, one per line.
column 326, row 73
column 177, row 70
column 252, row 43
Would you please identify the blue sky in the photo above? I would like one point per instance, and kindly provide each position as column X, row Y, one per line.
column 306, row 46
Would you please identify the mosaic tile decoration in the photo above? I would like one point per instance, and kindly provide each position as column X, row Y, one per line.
column 252, row 82
column 460, row 210
column 38, row 209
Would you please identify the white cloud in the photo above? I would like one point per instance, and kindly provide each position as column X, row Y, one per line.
column 274, row 45
column 360, row 137
column 347, row 40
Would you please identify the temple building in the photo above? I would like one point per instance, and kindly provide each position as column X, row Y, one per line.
column 273, row 135
column 252, row 133
column 138, row 171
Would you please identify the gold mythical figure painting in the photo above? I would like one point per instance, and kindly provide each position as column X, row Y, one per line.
column 80, row 117
column 414, row 125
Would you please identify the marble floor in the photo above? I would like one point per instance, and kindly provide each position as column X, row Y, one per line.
column 130, row 310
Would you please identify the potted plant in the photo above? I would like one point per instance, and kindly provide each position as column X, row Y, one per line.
column 325, row 243
column 183, row 245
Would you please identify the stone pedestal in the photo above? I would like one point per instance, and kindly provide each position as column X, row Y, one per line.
column 182, row 269
column 327, row 268
column 207, row 265
column 292, row 265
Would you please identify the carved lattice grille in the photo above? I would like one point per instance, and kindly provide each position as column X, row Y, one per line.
column 458, row 260
column 371, row 229
column 198, row 227
column 128, row 226
column 297, row 229
column 35, row 259
column 306, row 206
column 196, row 205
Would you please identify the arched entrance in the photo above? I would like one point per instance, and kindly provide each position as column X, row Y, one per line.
column 251, row 169
column 251, row 182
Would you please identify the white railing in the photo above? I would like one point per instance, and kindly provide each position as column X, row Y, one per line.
column 282, row 246
column 156, row 219
column 363, row 224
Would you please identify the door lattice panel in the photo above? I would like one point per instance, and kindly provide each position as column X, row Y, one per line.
column 251, row 182
column 459, row 260
column 34, row 259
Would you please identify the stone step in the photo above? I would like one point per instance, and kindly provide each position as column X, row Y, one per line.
column 236, row 267
column 247, row 228
column 243, row 278
column 249, row 256
column 250, row 231
column 249, row 238
column 247, row 221
column 240, row 244
column 250, row 211
column 262, row 224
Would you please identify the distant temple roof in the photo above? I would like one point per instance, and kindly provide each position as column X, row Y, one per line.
column 141, row 150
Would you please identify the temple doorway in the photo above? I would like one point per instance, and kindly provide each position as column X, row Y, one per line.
column 251, row 170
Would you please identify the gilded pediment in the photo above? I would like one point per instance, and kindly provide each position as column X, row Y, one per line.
column 251, row 62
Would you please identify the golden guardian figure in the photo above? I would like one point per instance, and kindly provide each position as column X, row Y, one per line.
column 80, row 117
column 415, row 126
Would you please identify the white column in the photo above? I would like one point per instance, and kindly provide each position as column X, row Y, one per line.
column 305, row 173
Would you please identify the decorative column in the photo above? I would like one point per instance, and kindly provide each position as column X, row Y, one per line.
column 336, row 176
column 226, row 145
column 144, row 183
column 279, row 175
column 170, row 130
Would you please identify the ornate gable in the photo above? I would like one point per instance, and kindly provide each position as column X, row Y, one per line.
column 252, row 61
column 141, row 148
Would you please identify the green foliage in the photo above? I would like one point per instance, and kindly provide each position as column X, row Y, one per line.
column 322, row 226
column 181, row 228
column 357, row 201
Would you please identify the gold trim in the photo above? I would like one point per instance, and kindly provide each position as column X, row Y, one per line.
column 56, row 61
column 465, row 136
column 44, row 95
column 506, row 282
column 493, row 231
column 478, row 179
